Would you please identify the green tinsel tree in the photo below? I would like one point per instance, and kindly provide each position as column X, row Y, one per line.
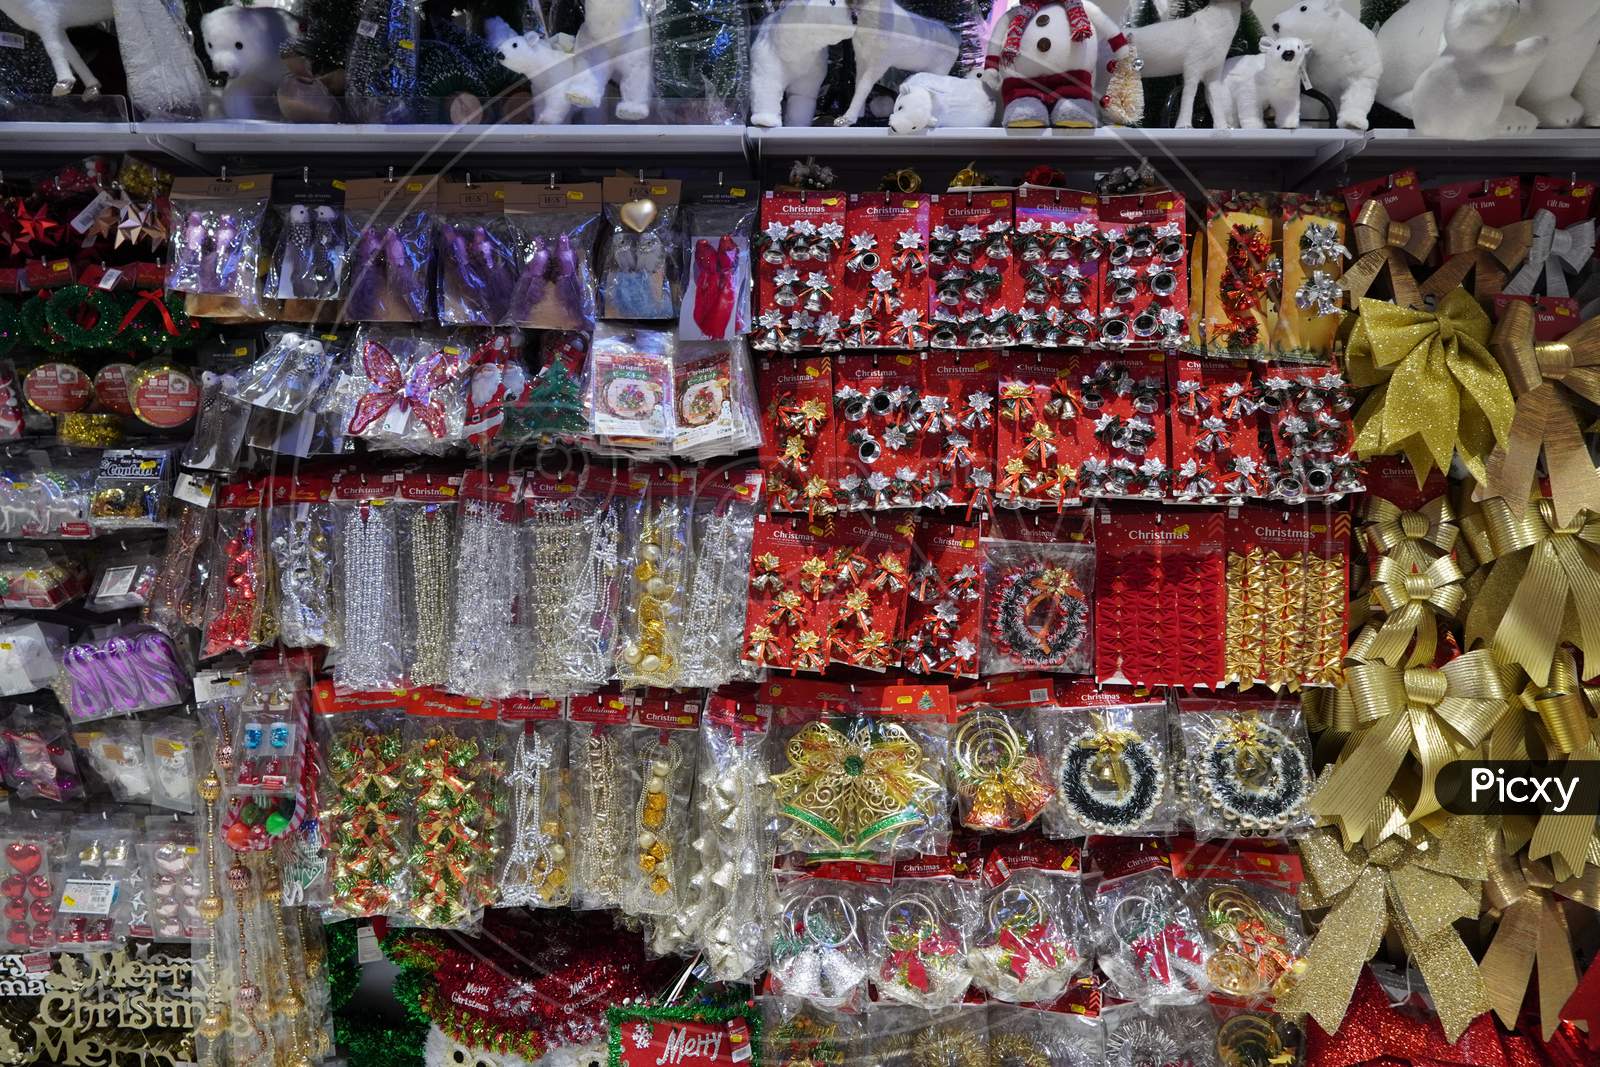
column 1375, row 13
column 554, row 406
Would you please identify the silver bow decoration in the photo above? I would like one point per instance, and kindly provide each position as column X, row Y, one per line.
column 1555, row 253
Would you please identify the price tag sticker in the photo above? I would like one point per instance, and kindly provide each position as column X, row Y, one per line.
column 367, row 950
column 88, row 896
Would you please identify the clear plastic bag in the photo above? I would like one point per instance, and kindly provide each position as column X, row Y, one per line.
column 478, row 259
column 367, row 580
column 796, row 1034
column 918, row 939
column 599, row 755
column 1028, row 1037
column 408, row 389
column 94, row 902
column 662, row 764
column 219, row 428
column 819, row 949
column 1037, row 615
column 536, row 868
column 1025, row 946
column 427, row 574
column 301, row 543
column 630, row 402
column 391, row 264
column 1111, row 765
column 177, row 600
column 483, row 659
column 370, row 818
column 716, row 299
column 1253, row 944
column 172, row 749
column 30, row 888
column 656, row 562
column 237, row 618
column 714, row 615
column 452, row 771
column 1246, row 769
column 124, row 579
column 573, row 581
column 174, row 871
column 734, row 842
column 639, row 266
column 290, row 372
column 132, row 489
column 1148, row 938
column 114, row 750
column 1139, row 1034
column 555, row 284
column 134, row 669
column 1001, row 780
column 308, row 260
column 218, row 233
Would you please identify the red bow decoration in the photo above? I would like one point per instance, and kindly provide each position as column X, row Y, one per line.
column 911, row 961
column 411, row 391
column 1377, row 1034
column 1031, row 944
column 155, row 298
column 1158, row 950
column 715, row 267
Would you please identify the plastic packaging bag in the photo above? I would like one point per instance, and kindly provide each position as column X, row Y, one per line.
column 174, row 871
column 132, row 488
column 172, row 749
column 114, row 751
column 408, row 389
column 918, row 938
column 600, row 770
column 217, row 236
column 391, row 263
column 482, row 659
column 1021, row 1036
column 301, row 542
column 662, row 764
column 479, row 255
column 177, row 598
column 1025, row 947
column 1137, row 1033
column 93, row 904
column 31, row 887
column 124, row 579
column 714, row 401
column 630, row 403
column 1111, row 764
column 713, row 621
column 367, row 580
column 237, row 613
column 308, row 259
column 558, row 226
column 220, row 426
column 1037, row 615
column 290, row 372
column 427, row 518
column 1253, row 943
column 656, row 560
column 716, row 300
column 1246, row 768
column 1001, row 780
column 371, row 828
column 639, row 267
column 536, row 869
column 1148, row 937
column 819, row 950
column 136, row 669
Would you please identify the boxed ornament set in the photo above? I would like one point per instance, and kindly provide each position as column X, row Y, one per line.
column 677, row 621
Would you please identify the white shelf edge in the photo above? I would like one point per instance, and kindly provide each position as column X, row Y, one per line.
column 221, row 138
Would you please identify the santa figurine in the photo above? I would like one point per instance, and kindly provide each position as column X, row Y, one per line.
column 1043, row 56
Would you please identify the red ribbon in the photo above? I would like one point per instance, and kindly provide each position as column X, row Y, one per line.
column 146, row 298
column 1031, row 944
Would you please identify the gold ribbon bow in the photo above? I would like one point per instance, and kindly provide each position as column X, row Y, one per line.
column 1553, row 253
column 1414, row 538
column 1410, row 596
column 1542, row 589
column 1533, row 928
column 1417, row 888
column 1468, row 242
column 852, row 786
column 1541, row 377
column 1438, row 391
column 1390, row 714
column 1381, row 242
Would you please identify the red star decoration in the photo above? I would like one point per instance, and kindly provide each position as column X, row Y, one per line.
column 38, row 228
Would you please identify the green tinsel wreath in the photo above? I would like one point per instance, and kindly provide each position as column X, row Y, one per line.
column 10, row 327
column 70, row 305
column 36, row 325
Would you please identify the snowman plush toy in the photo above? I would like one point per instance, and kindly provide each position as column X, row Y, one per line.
column 1043, row 58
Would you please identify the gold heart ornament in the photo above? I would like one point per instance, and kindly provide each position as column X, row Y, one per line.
column 637, row 214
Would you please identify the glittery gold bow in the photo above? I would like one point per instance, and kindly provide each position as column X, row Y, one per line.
column 1439, row 392
column 852, row 786
column 1495, row 251
column 1389, row 714
column 1533, row 928
column 1411, row 598
column 1414, row 538
column 1542, row 376
column 1542, row 589
column 1416, row 887
column 1381, row 242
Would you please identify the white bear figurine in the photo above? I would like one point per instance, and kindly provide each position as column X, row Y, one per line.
column 613, row 45
column 789, row 58
column 548, row 64
column 1545, row 94
column 929, row 100
column 243, row 44
column 1042, row 57
column 1344, row 62
column 1196, row 47
column 1463, row 85
column 888, row 37
column 1271, row 79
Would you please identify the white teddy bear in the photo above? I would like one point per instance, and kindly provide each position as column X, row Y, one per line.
column 1465, row 84
column 243, row 44
column 1271, row 79
column 1344, row 61
column 614, row 43
column 548, row 63
column 929, row 100
column 789, row 59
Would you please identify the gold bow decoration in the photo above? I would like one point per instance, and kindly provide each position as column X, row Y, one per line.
column 1532, row 928
column 1542, row 589
column 1414, row 538
column 1439, row 391
column 854, row 785
column 1413, row 721
column 1542, row 377
column 1411, row 598
column 1470, row 243
column 1417, row 887
column 1382, row 242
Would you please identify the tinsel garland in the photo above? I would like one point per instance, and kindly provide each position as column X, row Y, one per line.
column 684, row 1013
column 69, row 307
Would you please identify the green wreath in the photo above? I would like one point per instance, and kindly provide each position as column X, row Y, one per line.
column 10, row 327
column 83, row 317
column 157, row 333
column 36, row 325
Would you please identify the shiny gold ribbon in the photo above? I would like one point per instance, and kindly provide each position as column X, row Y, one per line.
column 1381, row 242
column 1411, row 598
column 1417, row 888
column 1542, row 589
column 1439, row 392
column 1431, row 716
column 1558, row 715
column 1469, row 242
column 1532, row 929
column 1541, row 377
column 1414, row 538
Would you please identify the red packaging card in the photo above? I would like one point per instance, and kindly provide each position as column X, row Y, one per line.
column 1308, row 429
column 1216, row 432
column 869, row 571
column 1569, row 201
column 790, row 609
column 1553, row 316
column 977, row 288
column 797, row 277
column 876, row 443
column 1037, row 420
column 883, row 295
column 957, row 438
column 1160, row 599
column 945, row 604
column 1288, row 595
column 1498, row 201
column 1063, row 262
column 796, row 396
column 1144, row 300
column 1124, row 411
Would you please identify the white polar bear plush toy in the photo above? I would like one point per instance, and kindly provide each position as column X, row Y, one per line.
column 1042, row 57
column 1344, row 61
column 552, row 70
column 613, row 45
column 1464, row 84
column 1271, row 79
column 789, row 59
column 929, row 100
column 1560, row 91
column 243, row 44
column 888, row 37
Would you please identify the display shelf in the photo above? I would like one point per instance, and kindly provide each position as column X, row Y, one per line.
column 1106, row 145
column 19, row 139
column 1402, row 145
